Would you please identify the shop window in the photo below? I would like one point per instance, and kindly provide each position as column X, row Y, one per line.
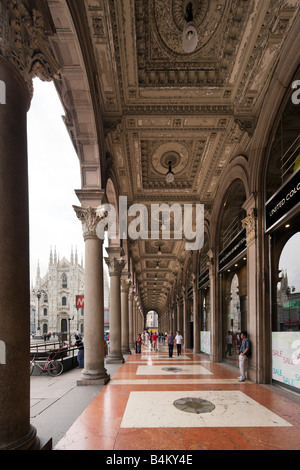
column 286, row 317
column 285, row 150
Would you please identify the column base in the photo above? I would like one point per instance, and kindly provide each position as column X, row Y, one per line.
column 126, row 351
column 93, row 377
column 28, row 442
column 115, row 360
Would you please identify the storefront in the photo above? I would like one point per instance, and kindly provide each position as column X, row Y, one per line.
column 232, row 272
column 282, row 229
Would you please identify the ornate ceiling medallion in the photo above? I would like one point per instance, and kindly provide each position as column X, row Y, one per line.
column 170, row 25
column 173, row 152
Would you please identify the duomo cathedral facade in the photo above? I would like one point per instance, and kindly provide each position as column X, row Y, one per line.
column 53, row 305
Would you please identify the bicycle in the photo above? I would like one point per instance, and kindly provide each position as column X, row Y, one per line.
column 52, row 367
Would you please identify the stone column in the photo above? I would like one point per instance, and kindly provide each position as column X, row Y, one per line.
column 23, row 51
column 185, row 318
column 130, row 307
column 125, row 284
column 115, row 266
column 94, row 372
column 178, row 326
column 196, row 346
column 215, row 321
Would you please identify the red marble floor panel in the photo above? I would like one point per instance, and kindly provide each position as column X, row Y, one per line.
column 99, row 426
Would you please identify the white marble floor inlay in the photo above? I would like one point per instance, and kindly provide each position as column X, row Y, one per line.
column 232, row 409
column 185, row 370
column 154, row 357
column 168, row 381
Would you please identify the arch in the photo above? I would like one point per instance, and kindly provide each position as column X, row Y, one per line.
column 154, row 320
column 286, row 70
column 236, row 172
column 231, row 214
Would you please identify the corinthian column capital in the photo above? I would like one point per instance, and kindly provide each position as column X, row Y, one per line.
column 125, row 285
column 249, row 223
column 24, row 43
column 89, row 218
column 115, row 266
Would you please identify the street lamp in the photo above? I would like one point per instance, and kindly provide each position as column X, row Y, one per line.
column 69, row 319
column 38, row 293
column 289, row 290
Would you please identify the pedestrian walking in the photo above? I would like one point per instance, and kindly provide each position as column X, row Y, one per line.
column 139, row 344
column 179, row 341
column 171, row 343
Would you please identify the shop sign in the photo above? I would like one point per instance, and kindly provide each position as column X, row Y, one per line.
column 286, row 358
column 234, row 249
column 79, row 301
column 283, row 201
column 292, row 304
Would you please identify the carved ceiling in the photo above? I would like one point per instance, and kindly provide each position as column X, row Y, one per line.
column 158, row 104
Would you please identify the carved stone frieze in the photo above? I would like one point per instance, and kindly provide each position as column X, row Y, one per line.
column 24, row 43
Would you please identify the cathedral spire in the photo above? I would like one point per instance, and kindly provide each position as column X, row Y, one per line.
column 38, row 274
column 72, row 256
column 50, row 257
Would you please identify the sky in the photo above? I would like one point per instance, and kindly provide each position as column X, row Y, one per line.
column 54, row 174
column 290, row 260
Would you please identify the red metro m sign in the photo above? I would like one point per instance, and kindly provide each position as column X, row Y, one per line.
column 79, row 301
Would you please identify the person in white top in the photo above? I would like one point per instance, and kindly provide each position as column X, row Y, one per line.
column 179, row 342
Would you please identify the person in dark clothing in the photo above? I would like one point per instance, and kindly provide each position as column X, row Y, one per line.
column 171, row 343
column 80, row 355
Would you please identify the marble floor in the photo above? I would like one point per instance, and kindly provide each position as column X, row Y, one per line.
column 154, row 402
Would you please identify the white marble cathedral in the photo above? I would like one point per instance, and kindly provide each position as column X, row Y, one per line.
column 53, row 298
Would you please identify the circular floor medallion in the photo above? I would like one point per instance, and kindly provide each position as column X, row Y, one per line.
column 194, row 405
column 172, row 369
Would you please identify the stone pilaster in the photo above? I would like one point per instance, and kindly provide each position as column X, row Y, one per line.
column 253, row 321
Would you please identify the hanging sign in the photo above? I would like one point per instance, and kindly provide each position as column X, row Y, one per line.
column 79, row 301
column 283, row 201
